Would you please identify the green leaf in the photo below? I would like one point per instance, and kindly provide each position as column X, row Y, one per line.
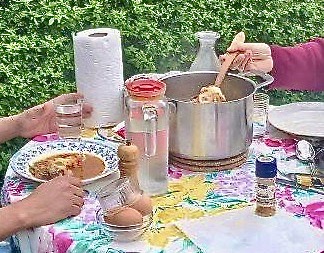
column 51, row 21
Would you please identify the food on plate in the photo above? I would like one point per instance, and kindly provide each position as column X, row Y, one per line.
column 126, row 216
column 81, row 165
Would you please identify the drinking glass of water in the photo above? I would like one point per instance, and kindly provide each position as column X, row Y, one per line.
column 260, row 113
column 69, row 117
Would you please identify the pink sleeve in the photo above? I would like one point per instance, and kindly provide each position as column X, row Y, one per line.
column 300, row 67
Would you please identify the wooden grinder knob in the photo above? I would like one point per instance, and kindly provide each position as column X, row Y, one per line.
column 128, row 162
column 128, row 152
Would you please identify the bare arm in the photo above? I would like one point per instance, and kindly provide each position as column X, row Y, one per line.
column 37, row 120
column 12, row 220
column 38, row 208
column 298, row 68
column 9, row 128
column 50, row 202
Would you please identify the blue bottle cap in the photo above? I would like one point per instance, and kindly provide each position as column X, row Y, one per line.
column 266, row 166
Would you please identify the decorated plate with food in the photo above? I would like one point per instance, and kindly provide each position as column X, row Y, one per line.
column 88, row 160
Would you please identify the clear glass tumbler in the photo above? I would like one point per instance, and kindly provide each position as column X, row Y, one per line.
column 260, row 113
column 68, row 117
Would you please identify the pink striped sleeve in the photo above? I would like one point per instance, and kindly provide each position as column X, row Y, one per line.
column 300, row 67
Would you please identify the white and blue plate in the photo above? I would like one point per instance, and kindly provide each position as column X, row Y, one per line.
column 107, row 151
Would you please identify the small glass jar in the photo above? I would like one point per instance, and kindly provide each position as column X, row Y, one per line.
column 116, row 198
column 116, row 195
column 147, row 126
column 206, row 59
column 266, row 173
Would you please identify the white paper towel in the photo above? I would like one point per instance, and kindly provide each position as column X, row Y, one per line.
column 99, row 74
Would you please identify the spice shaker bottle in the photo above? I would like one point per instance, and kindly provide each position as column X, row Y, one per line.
column 266, row 172
column 147, row 126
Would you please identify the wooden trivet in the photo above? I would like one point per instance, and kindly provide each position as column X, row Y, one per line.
column 209, row 165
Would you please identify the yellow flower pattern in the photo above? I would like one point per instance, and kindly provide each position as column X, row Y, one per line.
column 160, row 237
column 187, row 187
column 172, row 207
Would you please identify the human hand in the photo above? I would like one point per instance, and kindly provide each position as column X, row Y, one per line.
column 52, row 201
column 252, row 56
column 41, row 118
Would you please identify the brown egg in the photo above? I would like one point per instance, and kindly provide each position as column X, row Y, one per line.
column 126, row 217
column 143, row 205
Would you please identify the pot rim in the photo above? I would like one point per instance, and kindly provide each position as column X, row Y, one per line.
column 256, row 87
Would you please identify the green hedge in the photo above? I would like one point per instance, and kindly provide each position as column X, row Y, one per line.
column 36, row 44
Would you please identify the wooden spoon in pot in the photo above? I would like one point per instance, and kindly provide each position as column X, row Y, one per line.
column 213, row 93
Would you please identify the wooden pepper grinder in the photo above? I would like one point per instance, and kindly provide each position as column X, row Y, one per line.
column 128, row 155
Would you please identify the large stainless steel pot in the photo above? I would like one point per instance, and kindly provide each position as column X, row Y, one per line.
column 210, row 131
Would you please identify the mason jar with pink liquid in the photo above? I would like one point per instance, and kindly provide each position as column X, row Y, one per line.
column 147, row 126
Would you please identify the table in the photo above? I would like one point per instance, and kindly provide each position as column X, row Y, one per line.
column 190, row 196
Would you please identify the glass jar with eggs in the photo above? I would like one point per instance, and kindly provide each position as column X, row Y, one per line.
column 125, row 210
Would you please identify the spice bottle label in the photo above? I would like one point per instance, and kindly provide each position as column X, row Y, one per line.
column 265, row 195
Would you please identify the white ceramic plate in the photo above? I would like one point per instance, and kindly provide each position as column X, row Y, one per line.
column 105, row 150
column 301, row 119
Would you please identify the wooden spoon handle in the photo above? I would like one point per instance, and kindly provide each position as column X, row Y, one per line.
column 229, row 58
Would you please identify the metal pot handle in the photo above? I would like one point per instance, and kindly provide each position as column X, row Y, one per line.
column 268, row 79
column 172, row 107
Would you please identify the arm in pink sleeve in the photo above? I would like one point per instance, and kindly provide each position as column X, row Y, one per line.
column 300, row 67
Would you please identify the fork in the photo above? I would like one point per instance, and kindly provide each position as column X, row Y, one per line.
column 313, row 169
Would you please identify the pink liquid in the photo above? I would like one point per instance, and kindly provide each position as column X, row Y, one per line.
column 152, row 174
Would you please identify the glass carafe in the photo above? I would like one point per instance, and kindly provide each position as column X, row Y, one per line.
column 147, row 126
column 206, row 59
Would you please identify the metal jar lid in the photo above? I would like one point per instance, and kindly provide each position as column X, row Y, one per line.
column 266, row 166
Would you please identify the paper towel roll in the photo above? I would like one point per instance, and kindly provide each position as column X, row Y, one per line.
column 99, row 74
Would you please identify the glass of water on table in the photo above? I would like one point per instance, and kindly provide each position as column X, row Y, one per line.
column 260, row 114
column 68, row 117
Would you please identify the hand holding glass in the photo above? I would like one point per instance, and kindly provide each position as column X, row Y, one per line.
column 68, row 117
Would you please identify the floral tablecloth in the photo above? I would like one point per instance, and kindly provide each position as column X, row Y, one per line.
column 190, row 196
